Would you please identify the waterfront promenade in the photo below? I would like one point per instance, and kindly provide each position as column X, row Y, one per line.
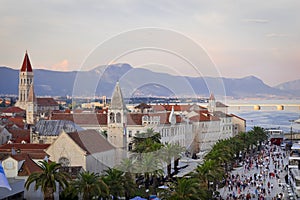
column 260, row 177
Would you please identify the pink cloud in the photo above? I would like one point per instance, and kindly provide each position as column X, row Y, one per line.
column 61, row 66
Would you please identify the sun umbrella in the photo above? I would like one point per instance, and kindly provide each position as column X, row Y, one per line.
column 163, row 187
column 138, row 198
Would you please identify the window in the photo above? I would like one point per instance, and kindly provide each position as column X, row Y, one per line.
column 129, row 146
column 64, row 161
column 129, row 133
column 118, row 117
column 112, row 117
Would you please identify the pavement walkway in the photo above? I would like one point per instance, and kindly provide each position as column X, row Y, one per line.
column 253, row 181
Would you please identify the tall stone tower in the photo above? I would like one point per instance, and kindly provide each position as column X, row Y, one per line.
column 31, row 109
column 25, row 81
column 211, row 103
column 117, row 120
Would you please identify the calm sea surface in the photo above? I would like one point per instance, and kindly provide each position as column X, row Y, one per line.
column 268, row 116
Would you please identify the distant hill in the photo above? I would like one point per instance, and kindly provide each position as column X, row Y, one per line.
column 291, row 86
column 141, row 82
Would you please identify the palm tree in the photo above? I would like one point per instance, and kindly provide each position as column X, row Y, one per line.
column 114, row 179
column 185, row 189
column 128, row 167
column 151, row 167
column 169, row 152
column 90, row 185
column 208, row 172
column 145, row 142
column 47, row 179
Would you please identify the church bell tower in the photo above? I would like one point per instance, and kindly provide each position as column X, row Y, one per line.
column 31, row 109
column 116, row 133
column 25, row 81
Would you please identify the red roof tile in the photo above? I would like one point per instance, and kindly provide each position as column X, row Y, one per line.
column 203, row 116
column 46, row 102
column 26, row 66
column 24, row 148
column 28, row 166
column 19, row 135
column 13, row 109
column 19, row 121
column 91, row 141
column 136, row 118
column 177, row 108
column 82, row 118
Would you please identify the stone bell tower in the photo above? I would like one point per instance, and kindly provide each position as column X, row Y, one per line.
column 116, row 120
column 25, row 81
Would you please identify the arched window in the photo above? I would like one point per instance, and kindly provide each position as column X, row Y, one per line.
column 64, row 161
column 112, row 117
column 118, row 117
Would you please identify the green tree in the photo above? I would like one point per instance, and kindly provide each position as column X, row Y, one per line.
column 89, row 185
column 169, row 152
column 146, row 142
column 128, row 167
column 185, row 189
column 208, row 172
column 47, row 179
column 114, row 179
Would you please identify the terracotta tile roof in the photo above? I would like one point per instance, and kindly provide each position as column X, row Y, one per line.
column 158, row 108
column 18, row 121
column 203, row 116
column 82, row 118
column 19, row 135
column 199, row 118
column 91, row 141
column 143, row 106
column 28, row 167
column 46, row 102
column 177, row 108
column 24, row 148
column 13, row 109
column 26, row 66
column 134, row 119
column 103, row 111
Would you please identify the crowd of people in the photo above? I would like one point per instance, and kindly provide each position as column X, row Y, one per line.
column 260, row 176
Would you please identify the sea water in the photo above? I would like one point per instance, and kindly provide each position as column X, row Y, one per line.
column 268, row 116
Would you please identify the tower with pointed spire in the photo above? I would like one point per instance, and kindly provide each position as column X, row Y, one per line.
column 31, row 109
column 116, row 133
column 25, row 81
column 211, row 103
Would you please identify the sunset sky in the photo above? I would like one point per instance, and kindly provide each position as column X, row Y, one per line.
column 242, row 38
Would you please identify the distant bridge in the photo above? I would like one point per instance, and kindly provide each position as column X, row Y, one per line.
column 264, row 106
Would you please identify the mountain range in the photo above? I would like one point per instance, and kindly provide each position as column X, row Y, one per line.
column 138, row 82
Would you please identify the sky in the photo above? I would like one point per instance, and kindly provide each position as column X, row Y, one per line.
column 240, row 37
